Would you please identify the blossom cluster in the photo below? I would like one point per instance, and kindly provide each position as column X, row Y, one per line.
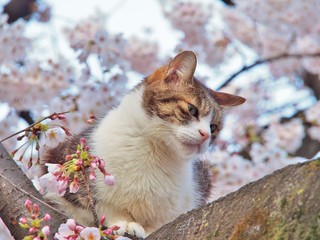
column 52, row 134
column 232, row 171
column 22, row 78
column 193, row 19
column 37, row 230
column 274, row 28
column 60, row 177
column 71, row 231
column 34, row 224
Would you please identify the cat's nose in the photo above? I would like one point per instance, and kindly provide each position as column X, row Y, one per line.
column 204, row 135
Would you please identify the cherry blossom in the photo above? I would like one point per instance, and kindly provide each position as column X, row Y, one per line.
column 313, row 114
column 54, row 136
column 67, row 229
column 90, row 233
column 314, row 132
column 288, row 135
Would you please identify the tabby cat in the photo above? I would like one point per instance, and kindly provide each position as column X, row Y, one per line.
column 151, row 143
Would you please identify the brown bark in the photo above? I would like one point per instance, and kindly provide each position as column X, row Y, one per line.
column 283, row 205
column 15, row 188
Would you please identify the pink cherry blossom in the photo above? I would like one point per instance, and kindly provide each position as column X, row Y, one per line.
column 314, row 132
column 313, row 114
column 90, row 233
column 46, row 231
column 65, row 231
column 54, row 136
column 74, row 186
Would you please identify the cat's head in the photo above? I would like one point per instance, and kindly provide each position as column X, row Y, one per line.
column 186, row 114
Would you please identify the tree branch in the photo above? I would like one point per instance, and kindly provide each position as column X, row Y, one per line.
column 261, row 61
column 283, row 205
column 15, row 189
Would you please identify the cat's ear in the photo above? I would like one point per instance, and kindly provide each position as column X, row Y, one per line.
column 182, row 67
column 226, row 99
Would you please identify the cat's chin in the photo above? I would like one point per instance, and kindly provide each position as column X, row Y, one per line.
column 193, row 149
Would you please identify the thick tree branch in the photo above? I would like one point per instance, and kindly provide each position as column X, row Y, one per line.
column 261, row 61
column 15, row 189
column 283, row 205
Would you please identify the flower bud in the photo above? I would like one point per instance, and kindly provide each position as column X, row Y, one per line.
column 82, row 141
column 46, row 231
column 108, row 231
column 92, row 176
column 109, row 180
column 23, row 220
column 101, row 164
column 61, row 117
column 102, row 219
column 35, row 209
column 47, row 217
column 14, row 152
column 66, row 131
column 115, row 228
column 32, row 230
column 21, row 137
column 28, row 205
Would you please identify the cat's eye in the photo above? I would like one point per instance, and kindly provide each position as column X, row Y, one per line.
column 213, row 128
column 193, row 110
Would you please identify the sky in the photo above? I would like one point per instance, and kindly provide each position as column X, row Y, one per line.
column 124, row 16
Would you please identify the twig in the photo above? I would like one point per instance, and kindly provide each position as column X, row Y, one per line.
column 32, row 196
column 92, row 207
column 32, row 125
column 261, row 61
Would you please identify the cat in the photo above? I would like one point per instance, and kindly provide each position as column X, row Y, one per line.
column 151, row 143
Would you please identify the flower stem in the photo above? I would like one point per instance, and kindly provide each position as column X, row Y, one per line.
column 92, row 204
column 32, row 125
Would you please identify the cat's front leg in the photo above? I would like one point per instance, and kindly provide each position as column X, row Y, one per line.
column 125, row 223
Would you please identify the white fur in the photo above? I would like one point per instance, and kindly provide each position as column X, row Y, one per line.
column 152, row 167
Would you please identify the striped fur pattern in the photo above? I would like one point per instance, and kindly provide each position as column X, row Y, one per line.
column 152, row 143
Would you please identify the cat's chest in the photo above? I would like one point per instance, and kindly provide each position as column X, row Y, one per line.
column 161, row 198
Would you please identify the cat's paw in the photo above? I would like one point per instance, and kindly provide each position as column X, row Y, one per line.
column 132, row 228
column 136, row 229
